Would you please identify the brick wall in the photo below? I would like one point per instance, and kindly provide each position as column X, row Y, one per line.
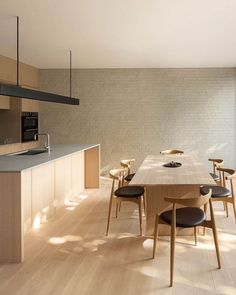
column 135, row 112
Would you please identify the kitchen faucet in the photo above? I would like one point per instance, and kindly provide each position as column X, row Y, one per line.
column 47, row 144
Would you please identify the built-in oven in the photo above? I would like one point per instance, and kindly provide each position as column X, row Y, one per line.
column 29, row 126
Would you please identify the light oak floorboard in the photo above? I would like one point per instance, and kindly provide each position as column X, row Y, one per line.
column 71, row 255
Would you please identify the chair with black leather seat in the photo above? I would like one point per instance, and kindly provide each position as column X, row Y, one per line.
column 191, row 215
column 126, row 164
column 171, row 152
column 123, row 194
column 216, row 175
column 216, row 163
column 222, row 193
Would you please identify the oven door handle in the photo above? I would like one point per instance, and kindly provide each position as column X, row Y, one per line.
column 30, row 118
column 26, row 130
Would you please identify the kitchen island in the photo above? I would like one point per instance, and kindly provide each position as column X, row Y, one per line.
column 34, row 187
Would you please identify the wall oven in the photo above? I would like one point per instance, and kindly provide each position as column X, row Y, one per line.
column 29, row 126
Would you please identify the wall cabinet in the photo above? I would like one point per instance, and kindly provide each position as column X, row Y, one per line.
column 4, row 102
column 7, row 70
column 28, row 74
column 29, row 105
column 28, row 79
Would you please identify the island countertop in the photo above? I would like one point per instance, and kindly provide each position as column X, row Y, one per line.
column 18, row 163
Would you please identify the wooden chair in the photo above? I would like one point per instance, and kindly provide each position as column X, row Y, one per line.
column 221, row 193
column 171, row 152
column 191, row 215
column 126, row 164
column 123, row 193
column 216, row 163
column 216, row 175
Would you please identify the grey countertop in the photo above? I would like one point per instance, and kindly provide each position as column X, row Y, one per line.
column 17, row 163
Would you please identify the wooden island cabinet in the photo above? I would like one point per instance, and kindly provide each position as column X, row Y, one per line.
column 30, row 196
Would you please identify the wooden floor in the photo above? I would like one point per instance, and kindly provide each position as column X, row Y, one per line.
column 71, row 255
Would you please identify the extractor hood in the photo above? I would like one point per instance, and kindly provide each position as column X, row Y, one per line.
column 21, row 92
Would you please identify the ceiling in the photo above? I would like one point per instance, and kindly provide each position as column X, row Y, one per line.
column 121, row 33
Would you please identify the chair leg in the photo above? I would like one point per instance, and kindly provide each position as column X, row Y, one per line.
column 109, row 215
column 234, row 206
column 140, row 215
column 204, row 228
column 144, row 204
column 155, row 236
column 224, row 206
column 226, row 209
column 195, row 235
column 117, row 208
column 216, row 244
column 214, row 230
column 172, row 256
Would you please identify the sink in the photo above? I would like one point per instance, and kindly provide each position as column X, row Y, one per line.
column 29, row 152
column 32, row 152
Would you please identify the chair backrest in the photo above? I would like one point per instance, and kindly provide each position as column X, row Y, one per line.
column 127, row 164
column 231, row 175
column 190, row 202
column 171, row 152
column 217, row 163
column 117, row 175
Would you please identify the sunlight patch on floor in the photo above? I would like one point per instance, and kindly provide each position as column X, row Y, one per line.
column 148, row 244
column 227, row 290
column 149, row 271
column 98, row 242
column 126, row 235
column 211, row 246
column 37, row 222
column 72, row 238
column 82, row 197
column 57, row 240
column 64, row 239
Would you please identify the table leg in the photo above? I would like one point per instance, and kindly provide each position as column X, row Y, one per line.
column 155, row 204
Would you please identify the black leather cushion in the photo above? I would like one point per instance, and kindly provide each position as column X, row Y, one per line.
column 129, row 191
column 217, row 191
column 185, row 217
column 215, row 176
column 129, row 177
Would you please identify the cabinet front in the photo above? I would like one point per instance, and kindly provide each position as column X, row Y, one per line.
column 62, row 182
column 77, row 173
column 42, row 193
column 4, row 102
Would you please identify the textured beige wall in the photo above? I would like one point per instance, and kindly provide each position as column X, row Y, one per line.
column 135, row 112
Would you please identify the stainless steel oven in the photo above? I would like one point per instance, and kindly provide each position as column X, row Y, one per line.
column 29, row 126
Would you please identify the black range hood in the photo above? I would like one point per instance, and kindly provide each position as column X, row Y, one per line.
column 21, row 92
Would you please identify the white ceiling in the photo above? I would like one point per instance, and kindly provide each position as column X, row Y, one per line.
column 121, row 33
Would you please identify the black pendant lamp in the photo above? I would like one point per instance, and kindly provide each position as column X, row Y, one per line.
column 20, row 92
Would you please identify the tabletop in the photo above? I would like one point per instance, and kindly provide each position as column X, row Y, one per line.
column 191, row 172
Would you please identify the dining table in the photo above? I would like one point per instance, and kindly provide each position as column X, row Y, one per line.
column 177, row 176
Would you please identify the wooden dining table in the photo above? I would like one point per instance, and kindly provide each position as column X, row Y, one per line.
column 160, row 181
